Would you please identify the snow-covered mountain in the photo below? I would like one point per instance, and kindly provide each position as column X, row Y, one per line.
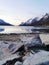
column 2, row 22
column 37, row 21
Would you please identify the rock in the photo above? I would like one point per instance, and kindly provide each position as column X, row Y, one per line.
column 47, row 47
column 21, row 50
column 1, row 55
column 44, row 63
column 13, row 61
column 23, row 47
column 5, row 42
column 40, row 57
column 3, row 45
column 36, row 41
column 14, row 47
column 18, row 63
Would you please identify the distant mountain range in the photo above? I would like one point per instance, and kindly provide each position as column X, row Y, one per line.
column 43, row 21
column 2, row 22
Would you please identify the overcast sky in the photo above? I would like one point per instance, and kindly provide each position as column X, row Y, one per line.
column 16, row 11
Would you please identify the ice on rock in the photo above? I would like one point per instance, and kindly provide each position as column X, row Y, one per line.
column 14, row 47
column 3, row 45
column 18, row 63
column 7, row 50
column 42, row 56
column 28, row 41
column 36, row 41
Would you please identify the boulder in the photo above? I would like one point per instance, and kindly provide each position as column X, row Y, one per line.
column 36, row 41
column 37, row 59
column 14, row 47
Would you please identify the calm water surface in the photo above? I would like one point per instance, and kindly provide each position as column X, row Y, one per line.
column 21, row 29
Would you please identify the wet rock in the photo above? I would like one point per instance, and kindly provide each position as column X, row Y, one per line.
column 12, row 62
column 47, row 47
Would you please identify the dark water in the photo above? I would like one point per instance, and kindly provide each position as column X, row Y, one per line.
column 1, row 29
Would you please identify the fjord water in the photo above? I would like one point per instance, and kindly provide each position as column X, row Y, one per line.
column 22, row 29
column 16, row 29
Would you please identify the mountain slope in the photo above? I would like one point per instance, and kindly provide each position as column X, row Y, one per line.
column 2, row 22
column 44, row 21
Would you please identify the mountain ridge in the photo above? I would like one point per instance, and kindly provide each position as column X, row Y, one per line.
column 43, row 21
column 2, row 22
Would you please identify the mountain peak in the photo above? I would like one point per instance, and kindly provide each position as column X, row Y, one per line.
column 46, row 15
column 29, row 21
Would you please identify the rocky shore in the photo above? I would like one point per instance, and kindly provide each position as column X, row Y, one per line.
column 23, row 49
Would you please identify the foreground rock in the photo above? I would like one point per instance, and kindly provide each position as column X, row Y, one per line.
column 13, row 61
column 37, row 59
column 18, row 63
column 28, row 50
column 44, row 63
column 36, row 41
column 25, row 42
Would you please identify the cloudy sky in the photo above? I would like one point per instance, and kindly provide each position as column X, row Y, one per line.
column 17, row 11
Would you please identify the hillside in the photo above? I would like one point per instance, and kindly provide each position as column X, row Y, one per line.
column 43, row 21
column 2, row 22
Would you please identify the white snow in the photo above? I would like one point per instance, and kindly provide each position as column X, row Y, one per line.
column 18, row 63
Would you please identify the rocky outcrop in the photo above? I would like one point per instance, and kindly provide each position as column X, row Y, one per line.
column 39, row 58
column 13, row 61
column 29, row 48
column 25, row 42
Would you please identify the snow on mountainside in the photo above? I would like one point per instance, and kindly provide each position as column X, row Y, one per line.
column 2, row 22
column 37, row 21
